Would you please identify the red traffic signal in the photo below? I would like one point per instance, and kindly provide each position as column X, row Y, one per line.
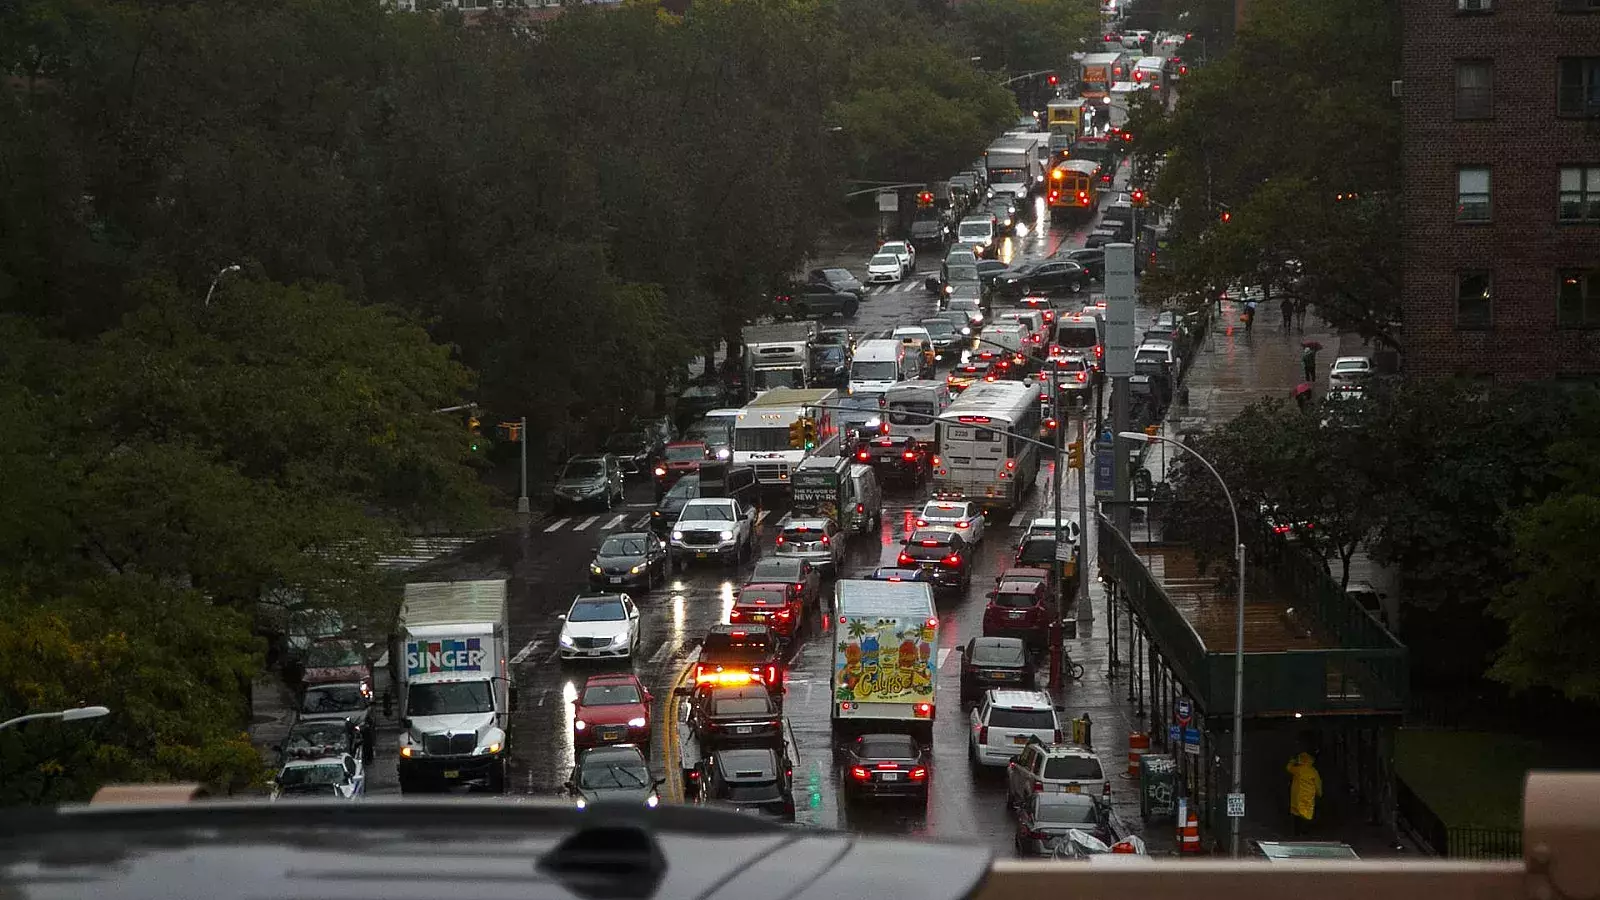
column 925, row 198
column 1138, row 197
column 1053, row 79
column 1227, row 216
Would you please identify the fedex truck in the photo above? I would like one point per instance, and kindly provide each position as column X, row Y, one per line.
column 762, row 438
column 885, row 657
column 454, row 685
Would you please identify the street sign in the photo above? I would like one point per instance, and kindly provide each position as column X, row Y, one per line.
column 1174, row 735
column 1121, row 338
column 1235, row 806
column 1191, row 741
column 888, row 201
column 1105, row 468
column 1183, row 710
column 1063, row 551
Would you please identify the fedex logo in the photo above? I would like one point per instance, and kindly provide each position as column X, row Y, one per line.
column 445, row 655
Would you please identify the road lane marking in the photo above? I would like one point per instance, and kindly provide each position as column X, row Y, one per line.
column 666, row 647
column 669, row 749
column 525, row 652
column 557, row 525
column 543, row 696
column 614, row 522
column 642, row 524
column 586, row 523
column 944, row 654
column 1016, row 520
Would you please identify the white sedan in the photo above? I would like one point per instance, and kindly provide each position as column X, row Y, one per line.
column 1349, row 370
column 600, row 626
column 904, row 250
column 885, row 267
column 961, row 516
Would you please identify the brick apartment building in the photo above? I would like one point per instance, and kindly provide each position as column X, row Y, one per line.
column 1501, row 235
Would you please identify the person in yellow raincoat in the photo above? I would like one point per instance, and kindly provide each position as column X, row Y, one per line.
column 1305, row 786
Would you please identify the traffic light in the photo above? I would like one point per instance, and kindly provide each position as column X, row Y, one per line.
column 1075, row 455
column 474, row 432
column 1053, row 79
column 925, row 199
column 1152, row 430
column 1227, row 216
column 1138, row 197
column 511, row 431
column 797, row 433
column 808, row 433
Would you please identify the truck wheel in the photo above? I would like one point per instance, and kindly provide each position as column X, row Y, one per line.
column 497, row 777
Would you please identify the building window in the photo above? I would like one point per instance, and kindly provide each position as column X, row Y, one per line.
column 1580, row 194
column 1474, row 89
column 1578, row 90
column 1472, row 194
column 1578, row 6
column 1474, row 6
column 1578, row 298
column 1474, row 300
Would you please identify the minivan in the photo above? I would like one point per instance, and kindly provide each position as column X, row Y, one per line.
column 879, row 364
column 868, row 497
column 979, row 233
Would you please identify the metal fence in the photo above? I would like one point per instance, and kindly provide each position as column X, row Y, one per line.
column 1453, row 842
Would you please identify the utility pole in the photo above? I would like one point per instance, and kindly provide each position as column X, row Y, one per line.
column 1083, row 519
column 1120, row 337
column 1057, row 645
column 523, row 506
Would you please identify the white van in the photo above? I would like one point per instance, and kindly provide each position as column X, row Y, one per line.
column 927, row 397
column 879, row 365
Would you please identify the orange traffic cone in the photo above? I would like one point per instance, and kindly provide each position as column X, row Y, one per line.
column 1190, row 840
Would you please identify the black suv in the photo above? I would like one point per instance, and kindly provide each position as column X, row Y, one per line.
column 749, row 779
column 943, row 555
column 1048, row 276
column 806, row 300
column 994, row 662
column 837, row 278
column 731, row 650
column 1093, row 260
column 898, row 459
column 726, row 715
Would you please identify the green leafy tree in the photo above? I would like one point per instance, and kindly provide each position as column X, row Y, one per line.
column 1017, row 36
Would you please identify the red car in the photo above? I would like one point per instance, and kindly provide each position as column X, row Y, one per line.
column 773, row 604
column 611, row 709
column 1020, row 606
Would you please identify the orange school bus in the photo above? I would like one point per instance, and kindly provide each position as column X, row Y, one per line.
column 1074, row 188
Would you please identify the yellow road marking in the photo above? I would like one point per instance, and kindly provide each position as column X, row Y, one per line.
column 669, row 750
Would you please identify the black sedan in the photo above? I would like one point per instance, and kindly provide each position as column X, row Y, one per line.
column 989, row 270
column 1051, row 276
column 885, row 765
column 994, row 662
column 630, row 559
column 635, row 451
column 1093, row 260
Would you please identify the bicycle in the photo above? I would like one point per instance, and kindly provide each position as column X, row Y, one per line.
column 1073, row 669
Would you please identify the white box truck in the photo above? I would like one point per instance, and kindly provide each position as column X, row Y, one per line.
column 885, row 657
column 761, row 437
column 454, row 684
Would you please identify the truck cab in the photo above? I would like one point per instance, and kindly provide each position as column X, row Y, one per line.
column 824, row 488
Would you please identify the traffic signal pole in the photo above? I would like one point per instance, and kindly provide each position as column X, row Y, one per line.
column 523, row 506
column 1057, row 642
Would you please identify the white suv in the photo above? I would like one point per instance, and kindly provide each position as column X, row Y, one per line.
column 1006, row 721
column 1055, row 769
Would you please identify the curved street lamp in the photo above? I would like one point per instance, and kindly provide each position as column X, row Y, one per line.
column 225, row 270
column 66, row 715
column 1238, row 646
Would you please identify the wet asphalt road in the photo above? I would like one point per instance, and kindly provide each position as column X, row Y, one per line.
column 547, row 566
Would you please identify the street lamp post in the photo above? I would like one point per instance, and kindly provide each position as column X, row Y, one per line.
column 225, row 270
column 74, row 714
column 1238, row 646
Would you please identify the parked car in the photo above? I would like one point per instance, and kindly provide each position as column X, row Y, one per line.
column 1003, row 723
column 593, row 479
column 1044, row 819
column 994, row 662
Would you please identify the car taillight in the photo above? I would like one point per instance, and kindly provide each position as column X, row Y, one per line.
column 953, row 559
column 864, row 456
column 824, row 540
column 1011, row 464
column 734, row 614
column 922, row 523
column 860, row 773
column 909, row 454
column 888, row 767
column 936, row 461
column 772, row 674
column 785, row 613
column 794, row 589
column 983, row 734
column 1038, row 787
column 1083, row 376
column 963, row 524
column 919, row 773
column 780, row 540
column 661, row 470
column 1105, row 791
column 905, row 559
column 923, row 710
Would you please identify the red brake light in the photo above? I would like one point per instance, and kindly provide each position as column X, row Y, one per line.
column 953, row 559
column 919, row 773
column 1083, row 376
column 737, row 634
column 932, row 623
column 780, row 540
column 923, row 523
column 983, row 734
column 864, row 456
column 860, row 773
column 928, row 543
column 734, row 614
column 908, row 455
column 904, row 560
column 1038, row 786
column 963, row 524
column 889, row 766
column 860, row 508
column 1011, row 464
column 824, row 540
column 924, row 710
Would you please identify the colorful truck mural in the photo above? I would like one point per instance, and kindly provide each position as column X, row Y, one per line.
column 886, row 646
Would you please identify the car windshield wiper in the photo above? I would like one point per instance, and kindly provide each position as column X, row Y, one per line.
column 630, row 773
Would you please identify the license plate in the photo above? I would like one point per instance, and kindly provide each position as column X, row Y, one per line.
column 1014, row 615
column 616, row 579
column 1019, row 739
column 741, row 729
column 1003, row 676
column 452, row 773
column 891, row 776
column 758, row 618
column 613, row 735
column 701, row 555
column 1074, row 788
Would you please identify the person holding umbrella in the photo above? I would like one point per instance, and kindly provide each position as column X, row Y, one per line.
column 1308, row 359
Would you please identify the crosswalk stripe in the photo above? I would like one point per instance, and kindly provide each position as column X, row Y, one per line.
column 614, row 522
column 557, row 525
column 586, row 523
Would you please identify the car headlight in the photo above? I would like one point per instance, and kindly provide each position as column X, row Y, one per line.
column 724, row 453
column 652, row 801
column 566, row 641
column 582, row 803
column 636, row 570
column 636, row 722
column 619, row 639
column 594, row 569
column 677, row 535
column 579, row 724
column 726, row 535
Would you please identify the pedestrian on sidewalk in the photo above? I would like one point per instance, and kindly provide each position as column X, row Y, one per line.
column 1305, row 786
column 1288, row 312
column 1249, row 315
column 1300, row 313
column 1308, row 360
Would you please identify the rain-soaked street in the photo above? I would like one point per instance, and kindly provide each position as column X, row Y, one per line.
column 546, row 565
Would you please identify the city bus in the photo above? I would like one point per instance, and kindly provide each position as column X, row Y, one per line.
column 1075, row 188
column 983, row 456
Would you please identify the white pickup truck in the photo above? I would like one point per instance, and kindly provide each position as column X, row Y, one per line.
column 719, row 528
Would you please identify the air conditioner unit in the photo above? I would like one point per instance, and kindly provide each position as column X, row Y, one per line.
column 1474, row 5
column 1394, row 87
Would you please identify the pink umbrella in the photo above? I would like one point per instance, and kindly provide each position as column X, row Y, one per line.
column 1303, row 388
column 1314, row 345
